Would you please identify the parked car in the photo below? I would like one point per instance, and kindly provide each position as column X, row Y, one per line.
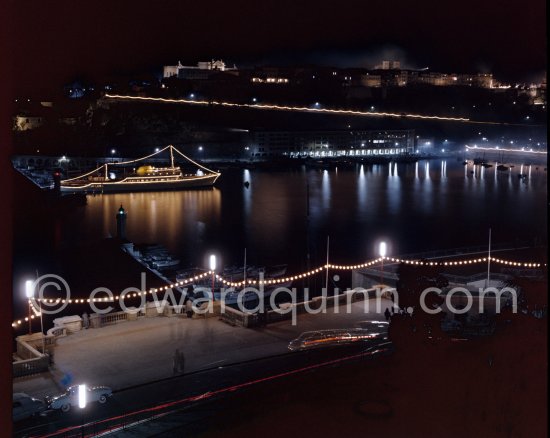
column 70, row 397
column 25, row 406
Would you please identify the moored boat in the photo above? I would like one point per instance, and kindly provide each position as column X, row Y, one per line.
column 114, row 177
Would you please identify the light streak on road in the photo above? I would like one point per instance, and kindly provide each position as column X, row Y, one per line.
column 78, row 429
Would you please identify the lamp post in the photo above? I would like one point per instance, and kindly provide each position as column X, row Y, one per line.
column 29, row 292
column 382, row 250
column 213, row 269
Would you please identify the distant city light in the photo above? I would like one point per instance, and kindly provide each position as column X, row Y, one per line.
column 157, row 149
column 113, row 151
column 443, row 150
column 200, row 148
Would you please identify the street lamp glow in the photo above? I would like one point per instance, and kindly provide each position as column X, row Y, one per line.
column 113, row 151
column 29, row 289
column 212, row 262
column 382, row 249
column 200, row 148
column 81, row 396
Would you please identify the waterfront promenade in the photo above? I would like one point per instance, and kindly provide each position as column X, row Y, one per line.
column 136, row 352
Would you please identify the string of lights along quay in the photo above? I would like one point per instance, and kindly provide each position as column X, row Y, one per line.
column 306, row 274
column 499, row 149
column 315, row 109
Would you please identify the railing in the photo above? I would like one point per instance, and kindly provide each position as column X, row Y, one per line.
column 31, row 366
column 287, row 311
column 57, row 332
column 33, row 361
column 113, row 318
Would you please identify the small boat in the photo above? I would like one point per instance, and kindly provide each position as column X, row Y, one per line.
column 487, row 165
column 246, row 184
column 522, row 176
column 165, row 263
column 502, row 167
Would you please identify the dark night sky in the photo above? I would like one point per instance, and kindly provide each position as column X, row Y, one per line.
column 56, row 41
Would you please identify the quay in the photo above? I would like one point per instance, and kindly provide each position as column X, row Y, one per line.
column 126, row 354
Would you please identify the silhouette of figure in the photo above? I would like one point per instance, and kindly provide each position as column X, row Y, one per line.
column 178, row 362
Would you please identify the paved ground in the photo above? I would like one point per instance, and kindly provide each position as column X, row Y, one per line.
column 136, row 352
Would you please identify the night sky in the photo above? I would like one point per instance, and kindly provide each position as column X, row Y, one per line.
column 56, row 42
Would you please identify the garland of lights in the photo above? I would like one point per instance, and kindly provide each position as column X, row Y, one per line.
column 307, row 109
column 278, row 280
column 106, row 166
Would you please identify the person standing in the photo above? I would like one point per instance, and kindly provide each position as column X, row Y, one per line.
column 175, row 362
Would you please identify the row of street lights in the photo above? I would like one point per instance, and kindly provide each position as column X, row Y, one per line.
column 30, row 287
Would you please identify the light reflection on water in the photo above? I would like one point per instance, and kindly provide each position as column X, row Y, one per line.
column 420, row 206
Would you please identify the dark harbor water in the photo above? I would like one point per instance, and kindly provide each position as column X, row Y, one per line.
column 414, row 207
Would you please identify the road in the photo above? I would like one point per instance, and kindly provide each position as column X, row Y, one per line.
column 189, row 398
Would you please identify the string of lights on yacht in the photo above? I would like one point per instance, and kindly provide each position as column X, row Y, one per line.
column 274, row 281
column 121, row 163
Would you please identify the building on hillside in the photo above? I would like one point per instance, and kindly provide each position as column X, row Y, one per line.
column 202, row 70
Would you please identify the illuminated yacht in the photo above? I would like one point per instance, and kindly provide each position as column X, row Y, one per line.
column 121, row 177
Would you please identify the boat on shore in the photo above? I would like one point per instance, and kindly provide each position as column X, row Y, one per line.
column 115, row 177
column 220, row 291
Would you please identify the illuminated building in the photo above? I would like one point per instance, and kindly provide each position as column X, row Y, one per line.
column 202, row 70
column 266, row 144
